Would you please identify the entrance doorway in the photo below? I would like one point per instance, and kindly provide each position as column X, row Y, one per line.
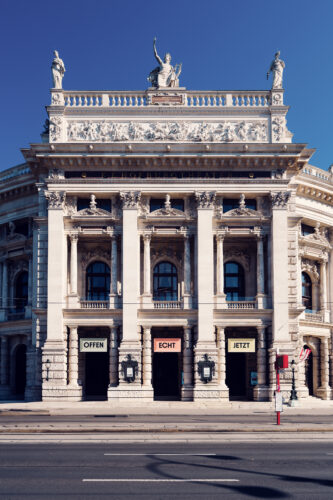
column 20, row 370
column 166, row 376
column 236, row 375
column 96, row 375
column 309, row 372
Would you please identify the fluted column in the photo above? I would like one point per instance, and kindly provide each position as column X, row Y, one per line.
column 73, row 357
column 74, row 239
column 146, row 258
column 146, row 358
column 221, row 357
column 114, row 272
column 113, row 357
column 187, row 272
column 4, row 361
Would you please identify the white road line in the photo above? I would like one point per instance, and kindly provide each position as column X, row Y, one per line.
column 329, row 453
column 160, row 454
column 160, row 480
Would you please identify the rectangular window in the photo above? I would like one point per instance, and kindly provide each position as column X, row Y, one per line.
column 306, row 230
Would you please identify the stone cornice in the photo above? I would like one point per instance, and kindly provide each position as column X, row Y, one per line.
column 316, row 193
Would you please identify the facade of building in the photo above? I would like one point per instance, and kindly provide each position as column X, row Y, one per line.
column 165, row 244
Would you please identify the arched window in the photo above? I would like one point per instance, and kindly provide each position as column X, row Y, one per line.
column 234, row 281
column 97, row 281
column 306, row 291
column 165, row 281
column 21, row 292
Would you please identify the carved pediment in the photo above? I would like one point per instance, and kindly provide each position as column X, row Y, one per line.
column 90, row 212
column 242, row 211
column 167, row 212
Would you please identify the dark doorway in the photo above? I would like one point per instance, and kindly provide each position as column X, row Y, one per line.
column 236, row 375
column 97, row 375
column 20, row 370
column 309, row 372
column 166, row 376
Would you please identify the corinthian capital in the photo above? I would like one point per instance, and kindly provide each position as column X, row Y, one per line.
column 56, row 199
column 280, row 199
column 205, row 199
column 130, row 199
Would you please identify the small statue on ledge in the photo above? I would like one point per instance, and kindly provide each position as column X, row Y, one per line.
column 165, row 75
column 58, row 71
column 277, row 66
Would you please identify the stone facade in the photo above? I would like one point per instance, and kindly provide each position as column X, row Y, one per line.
column 166, row 199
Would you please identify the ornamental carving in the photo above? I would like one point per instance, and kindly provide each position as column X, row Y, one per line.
column 239, row 255
column 226, row 131
column 311, row 267
column 55, row 128
column 71, row 205
column 280, row 199
column 93, row 210
column 130, row 199
column 319, row 235
column 95, row 254
column 167, row 210
column 57, row 99
column 55, row 199
column 280, row 133
column 157, row 255
column 56, row 173
column 205, row 199
column 242, row 210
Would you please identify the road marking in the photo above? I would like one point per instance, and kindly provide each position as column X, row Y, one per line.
column 160, row 480
column 160, row 454
column 329, row 453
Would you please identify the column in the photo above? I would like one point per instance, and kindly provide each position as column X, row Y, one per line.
column 280, row 327
column 146, row 264
column 187, row 387
column 324, row 390
column 74, row 240
column 4, row 361
column 113, row 357
column 73, row 357
column 30, row 281
column 187, row 273
column 4, row 291
column 323, row 285
column 220, row 269
column 205, row 201
column 221, row 357
column 260, row 272
column 260, row 390
column 114, row 273
column 146, row 358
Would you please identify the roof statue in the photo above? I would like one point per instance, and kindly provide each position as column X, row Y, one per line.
column 276, row 68
column 165, row 75
column 58, row 71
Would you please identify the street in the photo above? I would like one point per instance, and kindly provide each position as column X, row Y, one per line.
column 167, row 470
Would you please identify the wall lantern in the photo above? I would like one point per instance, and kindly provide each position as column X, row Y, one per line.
column 206, row 369
column 129, row 369
column 47, row 366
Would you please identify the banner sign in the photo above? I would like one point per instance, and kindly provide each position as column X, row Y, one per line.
column 241, row 345
column 167, row 345
column 93, row 345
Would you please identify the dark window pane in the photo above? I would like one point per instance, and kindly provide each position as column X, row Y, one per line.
column 156, row 204
column 178, row 204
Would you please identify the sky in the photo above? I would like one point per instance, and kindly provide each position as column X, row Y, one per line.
column 222, row 44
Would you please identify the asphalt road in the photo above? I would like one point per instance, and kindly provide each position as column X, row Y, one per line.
column 167, row 471
column 9, row 418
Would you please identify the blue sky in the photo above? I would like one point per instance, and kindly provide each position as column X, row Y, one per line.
column 222, row 44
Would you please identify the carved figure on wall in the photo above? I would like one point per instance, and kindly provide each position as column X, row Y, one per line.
column 276, row 68
column 165, row 75
column 58, row 71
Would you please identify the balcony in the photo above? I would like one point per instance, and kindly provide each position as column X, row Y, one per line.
column 168, row 304
column 242, row 304
column 94, row 304
column 315, row 316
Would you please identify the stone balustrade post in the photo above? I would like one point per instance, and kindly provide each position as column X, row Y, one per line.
column 73, row 357
column 113, row 357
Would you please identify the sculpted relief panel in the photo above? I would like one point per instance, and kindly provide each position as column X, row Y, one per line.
column 180, row 131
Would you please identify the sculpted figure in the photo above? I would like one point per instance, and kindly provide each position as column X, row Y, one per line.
column 58, row 71
column 277, row 66
column 165, row 75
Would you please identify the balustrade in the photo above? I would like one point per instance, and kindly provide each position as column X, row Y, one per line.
column 94, row 304
column 244, row 304
column 170, row 304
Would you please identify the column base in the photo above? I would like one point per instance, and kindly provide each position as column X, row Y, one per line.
column 130, row 393
column 147, row 301
column 324, row 393
column 220, row 301
column 261, row 393
column 261, row 301
column 73, row 301
column 187, row 393
column 187, row 301
column 113, row 301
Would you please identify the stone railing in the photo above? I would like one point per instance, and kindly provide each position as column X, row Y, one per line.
column 317, row 172
column 314, row 316
column 243, row 304
column 168, row 304
column 94, row 304
column 130, row 99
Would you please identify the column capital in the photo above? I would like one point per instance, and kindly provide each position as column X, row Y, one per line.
column 280, row 199
column 130, row 199
column 205, row 199
column 56, row 199
column 74, row 236
column 220, row 236
column 147, row 236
